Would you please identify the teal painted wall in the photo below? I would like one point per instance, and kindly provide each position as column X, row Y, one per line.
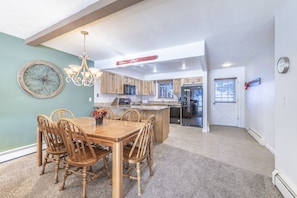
column 18, row 110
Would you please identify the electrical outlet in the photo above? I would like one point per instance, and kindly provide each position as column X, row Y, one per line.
column 90, row 99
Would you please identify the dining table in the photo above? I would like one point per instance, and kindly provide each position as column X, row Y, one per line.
column 112, row 133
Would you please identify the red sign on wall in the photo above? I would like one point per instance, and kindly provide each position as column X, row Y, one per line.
column 136, row 60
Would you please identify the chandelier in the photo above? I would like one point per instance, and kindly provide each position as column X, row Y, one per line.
column 82, row 75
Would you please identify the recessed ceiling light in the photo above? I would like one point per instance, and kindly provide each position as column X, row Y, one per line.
column 227, row 64
column 183, row 65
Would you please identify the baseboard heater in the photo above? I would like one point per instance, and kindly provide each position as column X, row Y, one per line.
column 282, row 185
column 256, row 136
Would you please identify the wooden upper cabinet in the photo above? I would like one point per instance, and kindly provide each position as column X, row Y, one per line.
column 177, row 83
column 119, row 84
column 128, row 80
column 104, row 82
column 114, row 84
column 111, row 83
column 194, row 80
column 148, row 87
column 139, row 86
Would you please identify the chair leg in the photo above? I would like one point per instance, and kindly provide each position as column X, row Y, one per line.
column 106, row 166
column 150, row 164
column 57, row 163
column 84, row 181
column 65, row 176
column 138, row 178
column 44, row 163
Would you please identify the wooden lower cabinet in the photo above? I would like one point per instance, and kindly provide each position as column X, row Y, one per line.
column 161, row 128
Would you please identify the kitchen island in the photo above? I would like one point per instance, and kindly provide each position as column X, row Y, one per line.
column 161, row 128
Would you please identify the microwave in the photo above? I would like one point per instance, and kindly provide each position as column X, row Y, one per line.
column 129, row 89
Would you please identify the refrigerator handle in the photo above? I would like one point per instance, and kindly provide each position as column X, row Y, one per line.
column 188, row 102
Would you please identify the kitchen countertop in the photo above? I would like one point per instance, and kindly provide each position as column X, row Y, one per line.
column 156, row 107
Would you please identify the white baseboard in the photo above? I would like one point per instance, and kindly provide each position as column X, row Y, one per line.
column 261, row 140
column 270, row 149
column 18, row 152
column 284, row 186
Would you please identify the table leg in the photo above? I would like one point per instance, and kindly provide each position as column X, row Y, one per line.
column 117, row 170
column 38, row 147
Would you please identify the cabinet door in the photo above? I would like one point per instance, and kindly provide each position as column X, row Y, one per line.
column 152, row 88
column 128, row 80
column 104, row 83
column 177, row 86
column 119, row 84
column 111, row 86
column 145, row 88
column 193, row 80
column 138, row 84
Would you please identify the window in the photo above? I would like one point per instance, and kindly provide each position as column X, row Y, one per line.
column 165, row 89
column 225, row 90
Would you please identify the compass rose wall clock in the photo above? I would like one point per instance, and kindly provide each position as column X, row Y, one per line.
column 41, row 79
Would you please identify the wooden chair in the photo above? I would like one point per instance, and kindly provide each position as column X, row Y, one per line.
column 54, row 143
column 61, row 113
column 131, row 115
column 81, row 153
column 139, row 151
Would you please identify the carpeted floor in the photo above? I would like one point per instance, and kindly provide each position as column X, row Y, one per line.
column 178, row 173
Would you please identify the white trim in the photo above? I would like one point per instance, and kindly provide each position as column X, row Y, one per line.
column 18, row 152
column 271, row 149
column 283, row 184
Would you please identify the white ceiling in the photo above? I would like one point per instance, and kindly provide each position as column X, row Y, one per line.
column 235, row 31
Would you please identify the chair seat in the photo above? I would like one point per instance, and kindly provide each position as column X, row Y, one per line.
column 100, row 153
column 59, row 149
column 133, row 158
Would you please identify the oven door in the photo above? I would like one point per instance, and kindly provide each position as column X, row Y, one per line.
column 175, row 114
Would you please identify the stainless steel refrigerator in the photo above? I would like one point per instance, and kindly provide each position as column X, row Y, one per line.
column 192, row 106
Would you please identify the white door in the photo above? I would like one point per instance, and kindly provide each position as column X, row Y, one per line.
column 225, row 102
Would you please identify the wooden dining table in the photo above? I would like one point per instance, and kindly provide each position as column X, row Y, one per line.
column 113, row 133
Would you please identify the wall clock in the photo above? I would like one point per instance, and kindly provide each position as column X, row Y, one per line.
column 41, row 79
column 283, row 64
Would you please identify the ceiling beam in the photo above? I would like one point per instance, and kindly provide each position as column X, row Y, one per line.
column 90, row 14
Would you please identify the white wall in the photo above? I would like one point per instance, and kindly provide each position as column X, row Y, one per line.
column 286, row 93
column 259, row 106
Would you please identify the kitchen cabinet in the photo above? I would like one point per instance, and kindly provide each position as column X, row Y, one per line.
column 148, row 87
column 139, row 86
column 128, row 80
column 119, row 84
column 161, row 126
column 177, row 85
column 111, row 83
column 193, row 80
